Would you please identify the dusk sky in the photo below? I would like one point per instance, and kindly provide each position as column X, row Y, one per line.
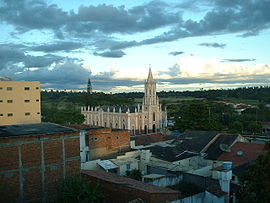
column 190, row 44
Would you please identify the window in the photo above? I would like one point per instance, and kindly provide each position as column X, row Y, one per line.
column 27, row 88
column 10, row 114
column 38, row 112
column 93, row 138
column 37, row 88
column 128, row 166
column 154, row 116
column 9, row 88
column 37, row 100
column 9, row 101
column 27, row 114
column 1, row 114
column 1, row 88
column 27, row 101
column 1, row 101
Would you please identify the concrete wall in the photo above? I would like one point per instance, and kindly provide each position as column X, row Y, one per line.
column 31, row 166
column 165, row 181
column 19, row 102
column 204, row 197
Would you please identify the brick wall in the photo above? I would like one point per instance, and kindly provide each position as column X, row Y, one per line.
column 31, row 166
column 105, row 142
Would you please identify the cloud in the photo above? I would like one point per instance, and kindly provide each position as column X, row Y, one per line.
column 172, row 71
column 58, row 46
column 239, row 60
column 175, row 53
column 213, row 45
column 111, row 54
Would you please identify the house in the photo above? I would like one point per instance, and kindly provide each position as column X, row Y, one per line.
column 98, row 142
column 123, row 189
column 34, row 158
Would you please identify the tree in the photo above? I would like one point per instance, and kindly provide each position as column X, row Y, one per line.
column 78, row 189
column 134, row 174
column 255, row 181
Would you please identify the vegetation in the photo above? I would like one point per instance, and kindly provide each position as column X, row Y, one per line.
column 187, row 189
column 255, row 181
column 134, row 174
column 197, row 110
column 77, row 189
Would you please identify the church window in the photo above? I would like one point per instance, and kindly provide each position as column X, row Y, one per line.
column 105, row 124
column 154, row 116
column 9, row 88
column 27, row 88
column 124, row 127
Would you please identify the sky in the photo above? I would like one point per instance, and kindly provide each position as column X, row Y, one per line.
column 189, row 44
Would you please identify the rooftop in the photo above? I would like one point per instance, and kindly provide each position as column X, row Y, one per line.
column 194, row 140
column 33, row 129
column 242, row 153
column 127, row 182
column 222, row 143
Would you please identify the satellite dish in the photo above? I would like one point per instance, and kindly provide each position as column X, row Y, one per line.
column 225, row 148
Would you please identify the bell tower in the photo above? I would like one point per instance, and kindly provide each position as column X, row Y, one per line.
column 151, row 108
column 150, row 95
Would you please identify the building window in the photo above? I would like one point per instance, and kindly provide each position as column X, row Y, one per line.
column 93, row 138
column 10, row 114
column 1, row 114
column 27, row 101
column 128, row 166
column 9, row 101
column 9, row 88
column 37, row 100
column 27, row 88
column 154, row 116
column 38, row 112
column 27, row 114
column 1, row 88
column 1, row 101
column 37, row 88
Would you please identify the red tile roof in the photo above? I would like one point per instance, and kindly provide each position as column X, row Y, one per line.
column 242, row 153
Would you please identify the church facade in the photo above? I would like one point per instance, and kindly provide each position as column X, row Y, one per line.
column 144, row 118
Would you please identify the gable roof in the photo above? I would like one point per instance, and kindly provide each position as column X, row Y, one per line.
column 242, row 153
column 195, row 140
column 216, row 148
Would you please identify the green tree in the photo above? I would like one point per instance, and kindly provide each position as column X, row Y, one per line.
column 255, row 181
column 236, row 127
column 253, row 127
column 134, row 174
column 77, row 189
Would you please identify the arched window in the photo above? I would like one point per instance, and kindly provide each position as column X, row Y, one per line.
column 145, row 129
column 154, row 128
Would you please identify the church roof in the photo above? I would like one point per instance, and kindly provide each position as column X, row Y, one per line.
column 124, row 109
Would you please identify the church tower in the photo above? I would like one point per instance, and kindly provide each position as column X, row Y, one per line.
column 89, row 86
column 151, row 107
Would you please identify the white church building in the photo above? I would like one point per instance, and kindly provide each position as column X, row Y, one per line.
column 144, row 118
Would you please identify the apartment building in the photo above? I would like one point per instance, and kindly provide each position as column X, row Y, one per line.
column 19, row 102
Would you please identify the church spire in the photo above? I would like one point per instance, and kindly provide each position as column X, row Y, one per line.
column 89, row 86
column 150, row 76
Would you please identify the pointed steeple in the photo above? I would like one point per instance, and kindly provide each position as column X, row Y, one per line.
column 150, row 76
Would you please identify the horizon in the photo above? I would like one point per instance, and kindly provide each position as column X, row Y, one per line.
column 189, row 44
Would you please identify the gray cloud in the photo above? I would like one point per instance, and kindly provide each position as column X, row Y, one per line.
column 111, row 54
column 213, row 45
column 239, row 60
column 172, row 71
column 58, row 46
column 175, row 53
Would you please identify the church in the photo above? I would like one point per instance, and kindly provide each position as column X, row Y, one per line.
column 144, row 118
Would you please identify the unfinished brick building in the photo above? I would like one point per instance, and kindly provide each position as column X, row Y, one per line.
column 34, row 157
column 102, row 142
